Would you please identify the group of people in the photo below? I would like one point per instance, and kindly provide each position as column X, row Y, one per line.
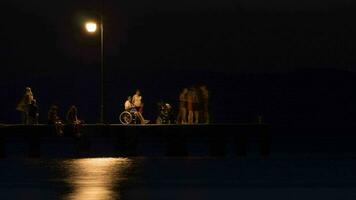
column 193, row 109
column 72, row 121
column 30, row 113
column 134, row 105
column 194, row 105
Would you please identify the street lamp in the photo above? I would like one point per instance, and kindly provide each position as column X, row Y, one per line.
column 91, row 27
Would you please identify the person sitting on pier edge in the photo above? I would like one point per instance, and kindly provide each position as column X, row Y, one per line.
column 130, row 107
column 54, row 119
column 73, row 121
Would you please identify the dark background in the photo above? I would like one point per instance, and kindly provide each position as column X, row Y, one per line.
column 290, row 62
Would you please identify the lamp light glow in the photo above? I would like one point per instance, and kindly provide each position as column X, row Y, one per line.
column 91, row 27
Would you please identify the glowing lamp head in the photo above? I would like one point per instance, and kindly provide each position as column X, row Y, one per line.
column 90, row 27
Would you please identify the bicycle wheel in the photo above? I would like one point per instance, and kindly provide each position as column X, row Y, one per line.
column 125, row 118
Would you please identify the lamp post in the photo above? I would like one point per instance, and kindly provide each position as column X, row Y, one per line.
column 91, row 27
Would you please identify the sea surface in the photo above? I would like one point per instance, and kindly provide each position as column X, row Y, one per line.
column 178, row 178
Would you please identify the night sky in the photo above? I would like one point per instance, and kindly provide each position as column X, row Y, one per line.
column 293, row 62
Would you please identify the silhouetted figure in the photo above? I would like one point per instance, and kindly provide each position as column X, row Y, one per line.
column 182, row 113
column 205, row 104
column 23, row 105
column 73, row 122
column 190, row 97
column 197, row 106
column 137, row 101
column 32, row 113
column 164, row 113
column 54, row 119
column 192, row 106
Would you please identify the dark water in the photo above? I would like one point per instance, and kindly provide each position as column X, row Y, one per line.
column 177, row 178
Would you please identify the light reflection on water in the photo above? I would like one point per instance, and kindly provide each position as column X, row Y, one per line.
column 177, row 178
column 94, row 178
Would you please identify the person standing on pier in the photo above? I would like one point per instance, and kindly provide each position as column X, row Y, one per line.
column 182, row 113
column 23, row 105
column 196, row 105
column 205, row 104
column 137, row 101
column 32, row 116
column 190, row 97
